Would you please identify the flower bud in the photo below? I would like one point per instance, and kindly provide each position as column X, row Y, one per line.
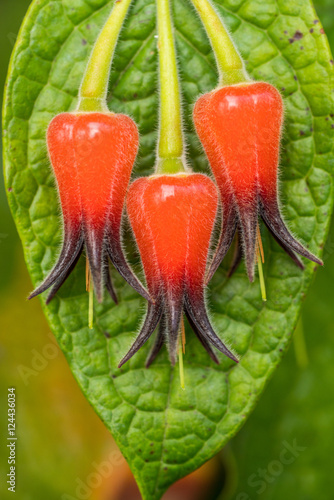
column 92, row 155
column 172, row 217
column 240, row 129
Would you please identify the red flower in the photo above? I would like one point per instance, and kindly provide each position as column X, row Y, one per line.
column 240, row 129
column 92, row 156
column 172, row 217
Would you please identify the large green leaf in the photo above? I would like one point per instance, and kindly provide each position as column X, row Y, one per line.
column 165, row 432
column 297, row 410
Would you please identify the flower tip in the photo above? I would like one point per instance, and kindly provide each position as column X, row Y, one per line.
column 48, row 299
column 251, row 275
column 148, row 363
column 173, row 358
column 32, row 295
column 99, row 295
column 234, row 358
column 231, row 355
column 112, row 293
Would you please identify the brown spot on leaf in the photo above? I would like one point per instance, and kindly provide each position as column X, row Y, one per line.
column 298, row 35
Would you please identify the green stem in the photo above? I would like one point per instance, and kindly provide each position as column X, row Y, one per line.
column 170, row 148
column 230, row 64
column 94, row 87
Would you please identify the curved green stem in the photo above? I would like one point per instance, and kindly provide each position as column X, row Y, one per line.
column 230, row 64
column 170, row 148
column 94, row 87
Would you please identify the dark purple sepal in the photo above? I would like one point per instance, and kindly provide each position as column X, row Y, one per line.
column 271, row 216
column 61, row 280
column 158, row 344
column 195, row 307
column 202, row 339
column 118, row 259
column 71, row 249
column 228, row 230
column 153, row 316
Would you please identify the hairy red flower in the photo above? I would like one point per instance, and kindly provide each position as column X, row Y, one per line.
column 240, row 129
column 172, row 217
column 92, row 155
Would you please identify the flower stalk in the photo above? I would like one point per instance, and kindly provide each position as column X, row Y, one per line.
column 94, row 87
column 171, row 145
column 230, row 64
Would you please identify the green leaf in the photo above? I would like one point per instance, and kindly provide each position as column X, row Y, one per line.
column 325, row 11
column 165, row 432
column 297, row 409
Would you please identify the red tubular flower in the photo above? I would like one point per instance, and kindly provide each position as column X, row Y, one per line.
column 240, row 129
column 172, row 217
column 92, row 156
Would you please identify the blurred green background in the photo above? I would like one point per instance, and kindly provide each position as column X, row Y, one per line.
column 285, row 450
